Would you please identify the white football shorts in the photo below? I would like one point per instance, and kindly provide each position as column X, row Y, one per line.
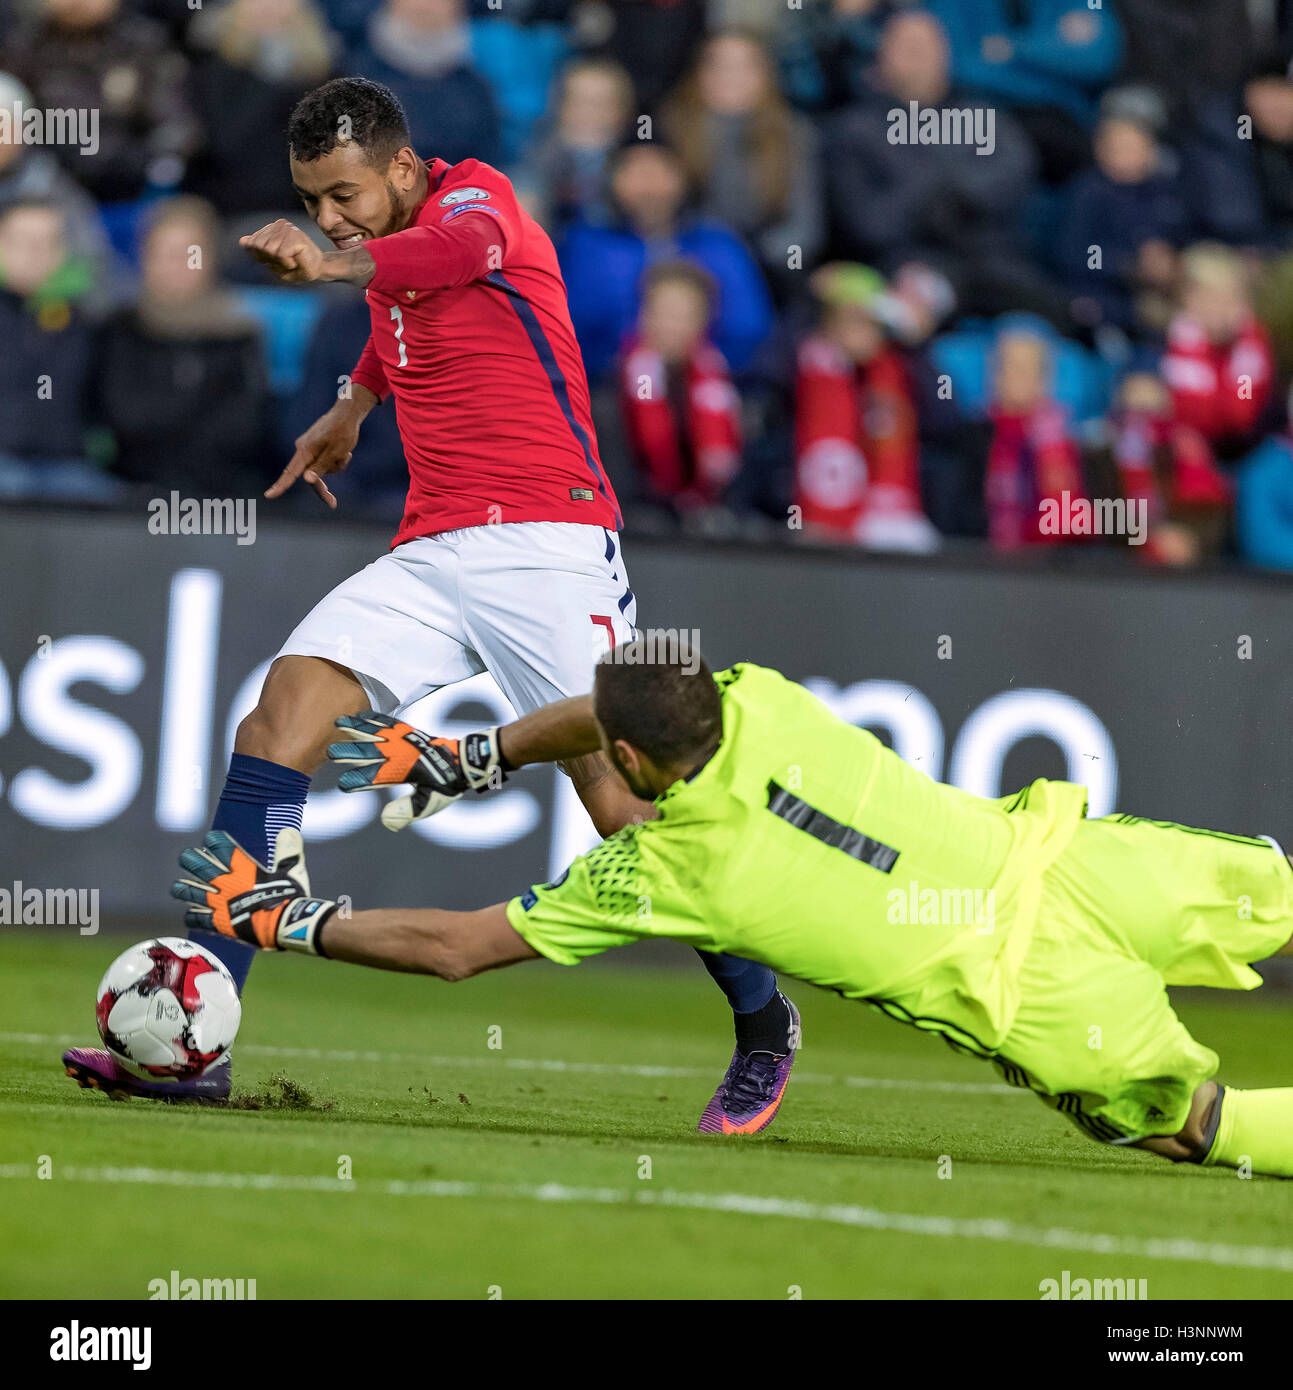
column 534, row 603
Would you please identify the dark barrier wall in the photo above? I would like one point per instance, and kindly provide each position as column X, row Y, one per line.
column 126, row 660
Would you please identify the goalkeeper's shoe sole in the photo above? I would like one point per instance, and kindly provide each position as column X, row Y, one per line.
column 93, row 1069
column 751, row 1093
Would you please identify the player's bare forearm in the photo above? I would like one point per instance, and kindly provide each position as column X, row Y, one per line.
column 427, row 941
column 361, row 400
column 355, row 266
column 293, row 257
column 553, row 734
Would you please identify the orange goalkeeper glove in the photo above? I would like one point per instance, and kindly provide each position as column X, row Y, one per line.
column 231, row 893
column 386, row 752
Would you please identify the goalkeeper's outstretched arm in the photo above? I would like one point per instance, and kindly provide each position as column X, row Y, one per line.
column 271, row 906
column 426, row 941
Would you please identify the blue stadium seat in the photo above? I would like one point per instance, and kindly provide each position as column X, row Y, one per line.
column 287, row 318
column 1083, row 382
column 1264, row 512
column 123, row 223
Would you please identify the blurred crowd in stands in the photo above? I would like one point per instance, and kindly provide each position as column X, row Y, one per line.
column 854, row 271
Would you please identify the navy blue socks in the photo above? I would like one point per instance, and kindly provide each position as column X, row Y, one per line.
column 748, row 985
column 260, row 798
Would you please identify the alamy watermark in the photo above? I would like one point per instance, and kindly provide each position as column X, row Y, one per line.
column 21, row 124
column 1066, row 1287
column 943, row 907
column 50, row 907
column 77, row 1343
column 203, row 516
column 914, row 124
column 182, row 1287
column 659, row 646
column 1067, row 515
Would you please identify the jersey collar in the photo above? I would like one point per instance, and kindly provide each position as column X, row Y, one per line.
column 675, row 788
column 436, row 171
column 700, row 767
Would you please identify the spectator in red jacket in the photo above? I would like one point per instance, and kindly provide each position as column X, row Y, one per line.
column 857, row 453
column 1034, row 465
column 1218, row 364
column 1166, row 468
column 681, row 412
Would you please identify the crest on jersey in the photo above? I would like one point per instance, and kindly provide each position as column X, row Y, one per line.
column 463, row 195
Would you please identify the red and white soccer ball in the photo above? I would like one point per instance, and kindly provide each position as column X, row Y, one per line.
column 168, row 1007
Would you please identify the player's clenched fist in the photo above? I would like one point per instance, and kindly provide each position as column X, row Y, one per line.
column 385, row 752
column 231, row 893
column 287, row 251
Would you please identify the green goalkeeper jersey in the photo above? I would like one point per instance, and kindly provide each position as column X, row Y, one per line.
column 806, row 844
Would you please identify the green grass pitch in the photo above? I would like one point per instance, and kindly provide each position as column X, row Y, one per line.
column 565, row 1163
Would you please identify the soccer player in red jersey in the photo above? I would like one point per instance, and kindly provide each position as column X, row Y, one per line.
column 507, row 558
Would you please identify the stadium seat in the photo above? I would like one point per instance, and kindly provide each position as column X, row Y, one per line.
column 287, row 317
column 1082, row 381
column 123, row 223
column 1264, row 513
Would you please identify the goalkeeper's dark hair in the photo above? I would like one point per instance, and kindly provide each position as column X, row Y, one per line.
column 348, row 110
column 668, row 708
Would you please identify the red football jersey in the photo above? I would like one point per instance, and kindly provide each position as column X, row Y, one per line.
column 472, row 335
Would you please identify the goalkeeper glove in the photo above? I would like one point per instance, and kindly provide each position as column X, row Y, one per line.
column 231, row 893
column 386, row 752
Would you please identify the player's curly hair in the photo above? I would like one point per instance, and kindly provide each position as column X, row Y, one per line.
column 348, row 110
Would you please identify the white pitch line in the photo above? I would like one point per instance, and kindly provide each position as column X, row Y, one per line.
column 553, row 1064
column 748, row 1204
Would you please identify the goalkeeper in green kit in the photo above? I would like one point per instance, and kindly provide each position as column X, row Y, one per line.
column 1017, row 929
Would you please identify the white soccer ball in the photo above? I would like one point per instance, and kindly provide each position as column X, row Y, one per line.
column 168, row 1007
